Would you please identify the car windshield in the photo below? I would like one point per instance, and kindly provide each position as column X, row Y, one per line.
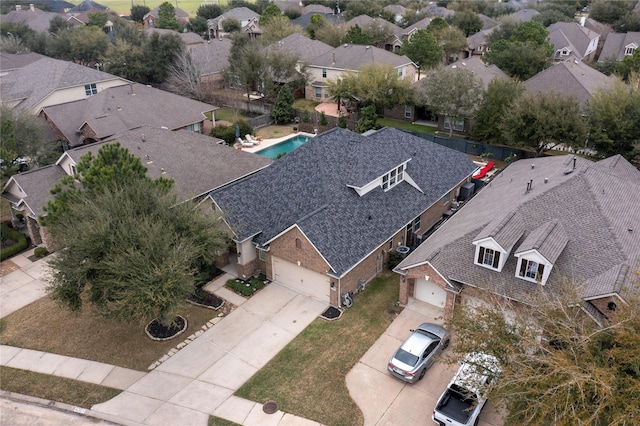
column 406, row 358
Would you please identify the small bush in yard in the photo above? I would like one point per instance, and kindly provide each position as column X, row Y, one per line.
column 245, row 288
column 40, row 252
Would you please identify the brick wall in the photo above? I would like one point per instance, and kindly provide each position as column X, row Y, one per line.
column 285, row 248
column 34, row 231
column 407, row 288
column 602, row 304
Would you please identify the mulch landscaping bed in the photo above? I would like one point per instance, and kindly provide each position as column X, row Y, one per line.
column 331, row 313
column 203, row 298
column 160, row 332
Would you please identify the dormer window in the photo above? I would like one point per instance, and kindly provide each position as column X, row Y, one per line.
column 393, row 178
column 565, row 52
column 531, row 269
column 489, row 257
column 630, row 49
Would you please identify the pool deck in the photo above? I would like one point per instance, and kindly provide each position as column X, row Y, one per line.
column 266, row 143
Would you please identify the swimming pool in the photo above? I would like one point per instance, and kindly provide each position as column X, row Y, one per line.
column 283, row 147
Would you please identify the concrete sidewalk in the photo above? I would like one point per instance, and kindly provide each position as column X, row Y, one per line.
column 201, row 378
column 72, row 368
column 24, row 282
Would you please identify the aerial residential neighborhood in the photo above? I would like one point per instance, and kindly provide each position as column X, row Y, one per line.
column 353, row 212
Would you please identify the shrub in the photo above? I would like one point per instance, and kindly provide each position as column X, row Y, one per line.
column 40, row 252
column 305, row 117
column 246, row 287
column 323, row 119
column 342, row 122
column 21, row 241
column 394, row 259
column 228, row 133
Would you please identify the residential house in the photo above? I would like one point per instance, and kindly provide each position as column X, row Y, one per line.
column 572, row 39
column 57, row 6
column 305, row 19
column 150, row 19
column 82, row 18
column 395, row 44
column 365, row 21
column 316, row 8
column 478, row 43
column 247, row 18
column 351, row 58
column 10, row 62
column 212, row 58
column 540, row 223
column 571, row 78
column 49, row 81
column 88, row 6
column 36, row 19
column 434, row 10
column 522, row 15
column 324, row 218
column 302, row 47
column 190, row 40
column 296, row 5
column 117, row 109
column 196, row 163
column 398, row 11
column 619, row 45
column 482, row 72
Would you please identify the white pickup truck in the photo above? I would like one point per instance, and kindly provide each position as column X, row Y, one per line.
column 463, row 400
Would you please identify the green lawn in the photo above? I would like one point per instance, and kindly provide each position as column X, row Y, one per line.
column 123, row 7
column 399, row 124
column 307, row 378
column 59, row 389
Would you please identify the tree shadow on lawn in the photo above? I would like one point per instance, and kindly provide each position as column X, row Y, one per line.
column 45, row 326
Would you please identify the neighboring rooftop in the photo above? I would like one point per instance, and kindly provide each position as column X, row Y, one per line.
column 483, row 72
column 617, row 45
column 11, row 62
column 355, row 56
column 303, row 47
column 571, row 78
column 212, row 56
column 36, row 19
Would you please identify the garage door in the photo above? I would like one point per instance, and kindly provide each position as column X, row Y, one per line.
column 301, row 279
column 430, row 292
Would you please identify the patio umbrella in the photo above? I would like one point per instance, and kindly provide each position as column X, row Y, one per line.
column 237, row 131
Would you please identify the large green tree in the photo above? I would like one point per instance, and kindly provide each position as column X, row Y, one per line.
column 613, row 121
column 209, row 11
column 24, row 135
column 558, row 365
column 82, row 45
column 283, row 111
column 167, row 17
column 468, row 21
column 452, row 92
column 138, row 11
column 131, row 248
column 423, row 49
column 376, row 84
column 269, row 12
column 498, row 99
column 543, row 121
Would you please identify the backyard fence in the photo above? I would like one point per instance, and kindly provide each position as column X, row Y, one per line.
column 314, row 121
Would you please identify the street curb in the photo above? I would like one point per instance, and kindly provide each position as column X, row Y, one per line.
column 66, row 408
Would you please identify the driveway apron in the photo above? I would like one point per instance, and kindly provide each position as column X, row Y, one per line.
column 201, row 378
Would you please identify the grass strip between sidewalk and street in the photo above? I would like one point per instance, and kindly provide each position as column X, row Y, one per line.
column 307, row 378
column 60, row 389
column 45, row 326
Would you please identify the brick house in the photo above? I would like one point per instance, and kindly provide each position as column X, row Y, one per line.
column 196, row 163
column 151, row 18
column 323, row 218
column 539, row 223
column 121, row 108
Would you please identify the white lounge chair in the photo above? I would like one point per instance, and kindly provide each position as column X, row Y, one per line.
column 251, row 140
column 243, row 142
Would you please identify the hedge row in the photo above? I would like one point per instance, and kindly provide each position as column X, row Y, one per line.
column 21, row 241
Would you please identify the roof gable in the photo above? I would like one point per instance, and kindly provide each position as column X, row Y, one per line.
column 354, row 57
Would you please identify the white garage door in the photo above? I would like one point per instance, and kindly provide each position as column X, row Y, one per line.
column 429, row 292
column 301, row 279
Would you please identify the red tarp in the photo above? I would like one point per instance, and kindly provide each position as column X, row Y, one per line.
column 484, row 170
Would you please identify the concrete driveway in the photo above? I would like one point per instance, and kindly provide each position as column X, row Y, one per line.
column 385, row 400
column 201, row 378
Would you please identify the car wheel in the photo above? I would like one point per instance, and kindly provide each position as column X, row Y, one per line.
column 422, row 374
column 445, row 345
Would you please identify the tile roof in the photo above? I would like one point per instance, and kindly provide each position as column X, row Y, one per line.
column 302, row 47
column 34, row 82
column 615, row 43
column 197, row 163
column 213, row 56
column 355, row 56
column 120, row 108
column 37, row 185
column 595, row 205
column 308, row 188
column 571, row 78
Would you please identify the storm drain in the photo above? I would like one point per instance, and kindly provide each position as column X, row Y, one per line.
column 270, row 407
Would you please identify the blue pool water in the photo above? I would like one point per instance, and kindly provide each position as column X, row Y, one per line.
column 283, row 147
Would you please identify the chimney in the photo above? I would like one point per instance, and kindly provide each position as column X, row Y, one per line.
column 32, row 7
column 18, row 7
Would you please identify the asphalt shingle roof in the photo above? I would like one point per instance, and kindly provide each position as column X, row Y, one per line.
column 303, row 47
column 595, row 204
column 34, row 184
column 355, row 56
column 38, row 20
column 614, row 45
column 212, row 57
column 197, row 163
column 505, row 231
column 308, row 188
column 548, row 239
column 120, row 108
column 571, row 35
column 570, row 78
column 34, row 82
